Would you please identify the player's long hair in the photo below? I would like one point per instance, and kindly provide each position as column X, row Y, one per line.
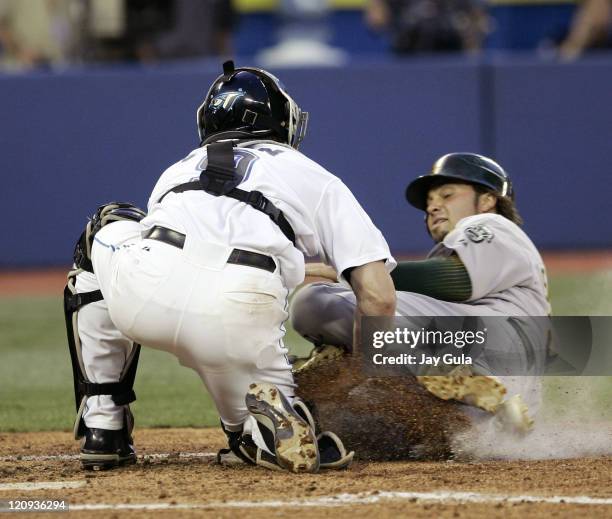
column 505, row 205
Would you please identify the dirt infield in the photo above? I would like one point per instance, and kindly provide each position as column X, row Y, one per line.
column 52, row 280
column 182, row 483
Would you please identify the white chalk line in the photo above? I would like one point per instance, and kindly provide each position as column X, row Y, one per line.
column 70, row 457
column 356, row 499
column 321, row 501
column 42, row 485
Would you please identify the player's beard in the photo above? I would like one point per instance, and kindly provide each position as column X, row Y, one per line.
column 442, row 234
column 439, row 238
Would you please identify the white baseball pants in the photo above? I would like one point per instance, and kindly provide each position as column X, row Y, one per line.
column 225, row 321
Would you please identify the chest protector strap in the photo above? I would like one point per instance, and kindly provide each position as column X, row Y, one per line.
column 220, row 179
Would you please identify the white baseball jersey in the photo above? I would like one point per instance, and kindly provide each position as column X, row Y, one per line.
column 505, row 268
column 325, row 216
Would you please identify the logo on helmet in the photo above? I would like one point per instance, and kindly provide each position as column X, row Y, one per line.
column 225, row 100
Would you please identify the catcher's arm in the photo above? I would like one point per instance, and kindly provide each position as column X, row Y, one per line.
column 374, row 292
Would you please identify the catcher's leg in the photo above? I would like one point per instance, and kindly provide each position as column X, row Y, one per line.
column 104, row 361
column 232, row 335
column 254, row 398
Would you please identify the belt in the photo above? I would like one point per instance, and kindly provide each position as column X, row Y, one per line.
column 237, row 257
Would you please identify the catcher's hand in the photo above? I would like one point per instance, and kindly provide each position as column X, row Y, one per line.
column 321, row 270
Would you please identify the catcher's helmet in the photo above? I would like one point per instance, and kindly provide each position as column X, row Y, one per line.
column 464, row 167
column 250, row 102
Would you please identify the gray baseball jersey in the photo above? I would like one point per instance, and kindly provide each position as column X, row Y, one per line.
column 505, row 268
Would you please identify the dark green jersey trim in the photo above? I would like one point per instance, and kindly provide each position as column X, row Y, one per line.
column 443, row 278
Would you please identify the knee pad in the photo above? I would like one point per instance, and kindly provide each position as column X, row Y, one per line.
column 121, row 392
column 105, row 214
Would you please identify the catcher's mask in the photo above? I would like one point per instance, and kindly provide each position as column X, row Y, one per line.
column 462, row 167
column 252, row 102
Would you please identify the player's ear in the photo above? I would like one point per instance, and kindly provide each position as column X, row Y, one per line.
column 486, row 203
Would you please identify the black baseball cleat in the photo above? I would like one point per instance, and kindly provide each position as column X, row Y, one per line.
column 104, row 449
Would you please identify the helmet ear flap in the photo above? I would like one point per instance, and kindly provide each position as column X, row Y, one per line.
column 300, row 129
column 297, row 124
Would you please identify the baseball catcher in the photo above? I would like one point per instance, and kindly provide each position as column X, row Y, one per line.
column 206, row 274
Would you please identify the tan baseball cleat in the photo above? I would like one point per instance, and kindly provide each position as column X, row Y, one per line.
column 481, row 391
column 485, row 392
column 319, row 355
column 295, row 444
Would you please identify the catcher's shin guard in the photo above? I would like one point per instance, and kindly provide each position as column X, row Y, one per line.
column 105, row 214
column 122, row 392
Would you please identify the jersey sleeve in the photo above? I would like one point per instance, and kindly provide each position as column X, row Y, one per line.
column 444, row 278
column 156, row 194
column 489, row 247
column 348, row 236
